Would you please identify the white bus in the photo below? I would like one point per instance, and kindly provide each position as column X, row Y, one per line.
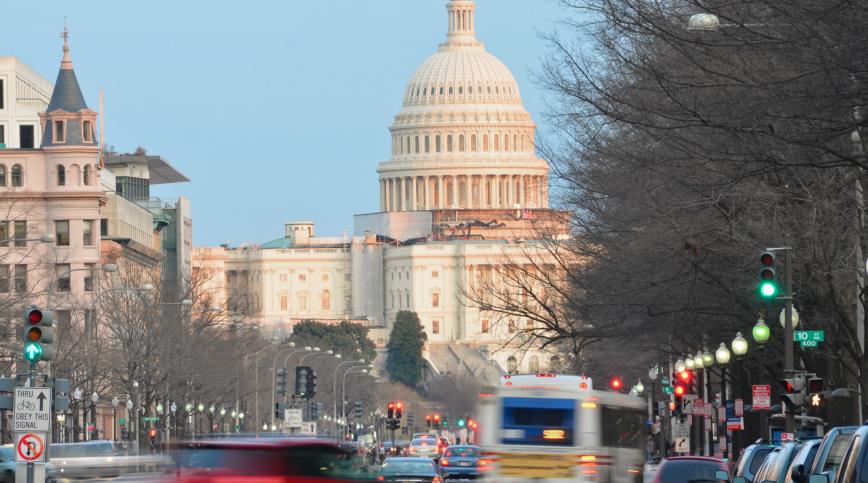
column 557, row 428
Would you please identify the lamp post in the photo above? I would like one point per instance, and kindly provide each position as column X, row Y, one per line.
column 335, row 392
column 173, row 408
column 722, row 356
column 357, row 370
column 76, row 396
column 129, row 422
column 115, row 403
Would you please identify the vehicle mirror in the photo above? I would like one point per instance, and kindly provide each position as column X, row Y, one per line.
column 739, row 479
column 798, row 473
column 721, row 475
column 819, row 479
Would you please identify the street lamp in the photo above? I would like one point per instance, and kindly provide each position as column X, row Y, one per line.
column 335, row 389
column 640, row 388
column 689, row 363
column 94, row 398
column 783, row 318
column 703, row 21
column 698, row 361
column 722, row 354
column 652, row 373
column 679, row 365
column 739, row 345
column 707, row 359
column 761, row 331
column 115, row 403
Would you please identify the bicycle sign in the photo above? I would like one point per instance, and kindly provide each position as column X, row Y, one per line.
column 32, row 410
column 30, row 448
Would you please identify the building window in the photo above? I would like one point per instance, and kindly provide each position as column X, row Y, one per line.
column 20, row 233
column 103, row 227
column 435, row 327
column 435, row 299
column 407, row 298
column 88, row 133
column 302, row 277
column 86, row 175
column 511, row 326
column 437, row 143
column 89, row 272
column 4, row 278
column 26, row 137
column 4, row 233
column 1, row 94
column 427, row 144
column 325, row 300
column 17, row 176
column 2, row 134
column 59, row 132
column 533, row 365
column 497, row 142
column 63, row 318
column 61, row 175
column 87, row 233
column 61, row 232
column 461, row 143
column 284, row 303
column 393, row 300
column 485, row 142
column 21, row 278
column 302, row 302
column 449, row 143
column 283, row 277
column 435, row 274
column 90, row 324
column 2, row 175
column 63, row 281
column 485, row 326
column 511, row 362
column 417, row 144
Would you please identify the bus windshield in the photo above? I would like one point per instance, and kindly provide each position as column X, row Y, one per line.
column 538, row 421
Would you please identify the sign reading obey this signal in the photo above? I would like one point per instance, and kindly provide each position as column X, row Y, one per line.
column 32, row 409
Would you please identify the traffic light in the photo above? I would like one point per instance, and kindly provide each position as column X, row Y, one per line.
column 679, row 390
column 815, row 400
column 399, row 409
column 311, row 384
column 768, row 284
column 428, row 421
column 358, row 410
column 616, row 384
column 38, row 335
column 461, row 423
column 793, row 396
column 436, row 421
column 684, row 377
column 279, row 409
column 471, row 424
column 390, row 410
column 280, row 377
column 303, row 376
column 152, row 433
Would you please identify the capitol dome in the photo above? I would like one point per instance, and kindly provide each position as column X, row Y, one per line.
column 462, row 138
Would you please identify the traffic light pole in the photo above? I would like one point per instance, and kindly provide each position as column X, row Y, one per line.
column 790, row 422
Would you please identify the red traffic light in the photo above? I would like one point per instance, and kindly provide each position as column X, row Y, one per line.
column 685, row 376
column 152, row 433
column 788, row 385
column 34, row 316
column 616, row 383
column 391, row 405
column 399, row 404
column 437, row 418
column 767, row 259
column 680, row 391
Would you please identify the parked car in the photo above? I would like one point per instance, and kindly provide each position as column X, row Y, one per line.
column 690, row 469
column 832, row 449
column 800, row 468
column 461, row 462
column 265, row 459
column 776, row 467
column 854, row 466
column 750, row 461
column 410, row 469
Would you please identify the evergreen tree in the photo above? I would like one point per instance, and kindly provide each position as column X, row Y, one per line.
column 404, row 360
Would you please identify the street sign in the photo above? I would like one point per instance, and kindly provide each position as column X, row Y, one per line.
column 809, row 338
column 682, row 445
column 721, row 414
column 122, row 421
column 150, row 419
column 707, row 424
column 664, row 381
column 32, row 411
column 30, row 447
column 787, row 437
column 762, row 396
column 667, row 390
column 682, row 430
column 739, row 407
column 308, row 428
column 293, row 418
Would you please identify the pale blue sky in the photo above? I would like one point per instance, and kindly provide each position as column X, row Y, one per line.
column 276, row 110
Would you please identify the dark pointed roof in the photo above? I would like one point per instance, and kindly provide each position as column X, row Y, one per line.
column 67, row 94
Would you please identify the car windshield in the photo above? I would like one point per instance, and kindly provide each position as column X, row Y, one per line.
column 462, row 451
column 424, row 442
column 758, row 459
column 689, row 471
column 408, row 468
column 836, row 454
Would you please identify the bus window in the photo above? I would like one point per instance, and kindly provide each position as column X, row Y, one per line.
column 538, row 421
column 623, row 428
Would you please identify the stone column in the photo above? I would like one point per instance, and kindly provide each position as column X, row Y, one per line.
column 468, row 190
column 388, row 194
column 402, row 194
column 521, row 191
column 454, row 191
column 427, row 192
column 495, row 191
column 441, row 198
column 412, row 194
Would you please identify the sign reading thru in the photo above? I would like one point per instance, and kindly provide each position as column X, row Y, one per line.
column 32, row 410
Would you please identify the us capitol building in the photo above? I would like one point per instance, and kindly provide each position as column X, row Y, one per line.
column 463, row 187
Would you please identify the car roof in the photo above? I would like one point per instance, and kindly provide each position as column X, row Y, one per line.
column 409, row 458
column 258, row 443
column 694, row 458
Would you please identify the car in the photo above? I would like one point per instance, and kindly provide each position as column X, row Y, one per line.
column 650, row 469
column 88, row 459
column 750, row 461
column 424, row 435
column 410, row 469
column 442, row 444
column 854, row 465
column 427, row 447
column 800, row 467
column 832, row 450
column 461, row 461
column 690, row 469
column 777, row 465
column 266, row 460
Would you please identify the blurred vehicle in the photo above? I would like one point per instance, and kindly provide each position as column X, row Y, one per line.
column 751, row 460
column 800, row 467
column 554, row 428
column 832, row 450
column 402, row 447
column 89, row 459
column 651, row 468
column 410, row 469
column 271, row 460
column 854, row 465
column 442, row 444
column 425, row 435
column 461, row 462
column 692, row 469
column 424, row 447
column 777, row 465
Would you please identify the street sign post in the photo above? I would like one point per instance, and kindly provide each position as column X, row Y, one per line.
column 681, row 437
column 809, row 338
column 30, row 447
column 293, row 418
column 762, row 396
column 32, row 410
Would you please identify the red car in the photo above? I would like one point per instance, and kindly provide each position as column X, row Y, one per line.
column 688, row 469
column 264, row 460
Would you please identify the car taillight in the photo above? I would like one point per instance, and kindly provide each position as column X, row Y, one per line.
column 436, row 479
column 444, row 462
column 381, row 478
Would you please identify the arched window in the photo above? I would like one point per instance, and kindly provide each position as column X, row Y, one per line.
column 450, row 90
column 511, row 365
column 515, row 146
column 506, row 142
column 497, row 142
column 449, row 143
column 61, row 175
column 2, row 175
column 417, row 144
column 510, row 326
column 461, row 143
column 325, row 300
column 533, row 365
column 437, row 143
column 435, row 327
column 485, row 142
column 441, row 90
column 460, row 90
column 432, row 91
column 427, row 144
column 555, row 364
column 473, row 142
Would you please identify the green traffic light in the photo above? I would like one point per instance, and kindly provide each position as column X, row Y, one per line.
column 32, row 351
column 461, row 423
column 768, row 289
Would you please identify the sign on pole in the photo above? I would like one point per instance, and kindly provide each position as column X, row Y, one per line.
column 681, row 437
column 762, row 396
column 308, row 428
column 739, row 407
column 32, row 410
column 30, row 447
column 293, row 418
column 809, row 338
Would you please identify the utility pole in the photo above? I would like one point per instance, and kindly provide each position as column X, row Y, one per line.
column 788, row 329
